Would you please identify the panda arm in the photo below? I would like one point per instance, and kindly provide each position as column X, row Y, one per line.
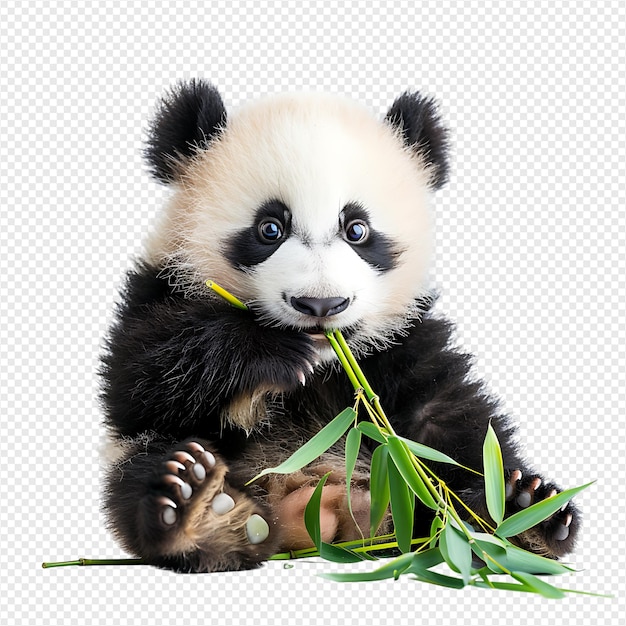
column 173, row 364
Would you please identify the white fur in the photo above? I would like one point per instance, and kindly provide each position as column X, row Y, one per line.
column 315, row 153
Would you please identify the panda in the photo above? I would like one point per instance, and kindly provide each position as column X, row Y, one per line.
column 316, row 215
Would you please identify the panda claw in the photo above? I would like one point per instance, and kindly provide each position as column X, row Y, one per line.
column 186, row 491
column 563, row 530
column 516, row 476
column 174, row 466
column 301, row 377
column 195, row 446
column 185, row 488
column 183, row 456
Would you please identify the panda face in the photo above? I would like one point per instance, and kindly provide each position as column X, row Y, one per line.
column 309, row 210
column 311, row 275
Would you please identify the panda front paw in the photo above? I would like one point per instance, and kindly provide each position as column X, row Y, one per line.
column 554, row 536
column 283, row 360
column 193, row 520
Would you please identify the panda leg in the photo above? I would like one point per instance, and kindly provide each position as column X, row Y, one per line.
column 176, row 509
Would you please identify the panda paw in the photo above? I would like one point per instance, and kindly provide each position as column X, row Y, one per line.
column 293, row 363
column 192, row 510
column 554, row 536
column 287, row 364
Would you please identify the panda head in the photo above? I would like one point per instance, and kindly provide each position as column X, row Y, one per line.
column 304, row 206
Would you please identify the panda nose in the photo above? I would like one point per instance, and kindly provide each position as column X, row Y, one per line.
column 320, row 307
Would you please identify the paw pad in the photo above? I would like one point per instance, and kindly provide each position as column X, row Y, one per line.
column 168, row 512
column 222, row 504
column 257, row 529
column 198, row 471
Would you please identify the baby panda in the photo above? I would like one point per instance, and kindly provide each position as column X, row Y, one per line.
column 316, row 215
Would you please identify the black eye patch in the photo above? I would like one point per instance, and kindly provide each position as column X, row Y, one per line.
column 374, row 247
column 256, row 243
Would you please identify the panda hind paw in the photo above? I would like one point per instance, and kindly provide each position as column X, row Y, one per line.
column 553, row 536
column 192, row 507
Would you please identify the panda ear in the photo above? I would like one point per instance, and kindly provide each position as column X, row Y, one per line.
column 188, row 117
column 417, row 119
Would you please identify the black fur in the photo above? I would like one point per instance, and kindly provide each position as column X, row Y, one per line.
column 189, row 117
column 172, row 365
column 418, row 120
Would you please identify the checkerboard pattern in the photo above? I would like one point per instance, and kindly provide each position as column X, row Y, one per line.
column 530, row 262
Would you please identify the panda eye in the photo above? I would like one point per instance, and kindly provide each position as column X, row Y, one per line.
column 270, row 230
column 356, row 231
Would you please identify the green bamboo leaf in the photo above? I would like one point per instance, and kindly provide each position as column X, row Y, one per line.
column 494, row 584
column 492, row 554
column 498, row 541
column 456, row 551
column 371, row 431
column 318, row 444
column 524, row 561
column 353, row 443
column 327, row 551
column 338, row 554
column 523, row 520
column 420, row 568
column 435, row 527
column 312, row 513
column 402, row 506
column 379, row 488
column 489, row 584
column 539, row 586
column 442, row 580
column 425, row 452
column 425, row 560
column 505, row 557
column 355, row 577
column 494, row 475
column 390, row 570
column 402, row 460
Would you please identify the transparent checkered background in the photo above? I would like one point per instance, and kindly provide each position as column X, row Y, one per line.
column 530, row 263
